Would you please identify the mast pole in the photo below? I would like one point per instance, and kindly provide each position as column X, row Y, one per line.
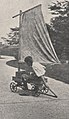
column 19, row 54
column 20, row 22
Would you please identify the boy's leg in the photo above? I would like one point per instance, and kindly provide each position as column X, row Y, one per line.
column 24, row 79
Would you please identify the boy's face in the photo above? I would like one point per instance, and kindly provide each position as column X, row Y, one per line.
column 29, row 63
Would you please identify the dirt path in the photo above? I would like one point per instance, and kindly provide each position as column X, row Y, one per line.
column 13, row 106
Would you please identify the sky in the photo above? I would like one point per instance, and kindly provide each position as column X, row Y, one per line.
column 9, row 8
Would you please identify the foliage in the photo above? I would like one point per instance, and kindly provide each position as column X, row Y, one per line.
column 60, row 8
column 13, row 37
column 59, row 29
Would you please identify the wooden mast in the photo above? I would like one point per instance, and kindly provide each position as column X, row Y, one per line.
column 20, row 22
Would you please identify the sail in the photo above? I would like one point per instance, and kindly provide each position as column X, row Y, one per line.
column 35, row 40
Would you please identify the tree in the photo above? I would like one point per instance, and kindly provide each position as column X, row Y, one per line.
column 59, row 29
column 13, row 36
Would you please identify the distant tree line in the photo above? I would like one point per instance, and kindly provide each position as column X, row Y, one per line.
column 12, row 37
column 59, row 28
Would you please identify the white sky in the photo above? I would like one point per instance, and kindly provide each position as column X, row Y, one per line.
column 9, row 8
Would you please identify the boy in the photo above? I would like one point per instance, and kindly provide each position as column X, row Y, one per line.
column 38, row 69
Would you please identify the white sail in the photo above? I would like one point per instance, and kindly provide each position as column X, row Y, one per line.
column 35, row 40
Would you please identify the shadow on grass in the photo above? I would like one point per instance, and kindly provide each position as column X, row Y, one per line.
column 59, row 72
column 14, row 63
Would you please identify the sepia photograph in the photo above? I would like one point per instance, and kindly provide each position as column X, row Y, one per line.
column 34, row 59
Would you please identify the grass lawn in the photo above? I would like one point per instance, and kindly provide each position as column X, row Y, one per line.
column 59, row 72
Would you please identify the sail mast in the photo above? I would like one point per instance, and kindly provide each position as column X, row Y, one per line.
column 20, row 35
column 20, row 21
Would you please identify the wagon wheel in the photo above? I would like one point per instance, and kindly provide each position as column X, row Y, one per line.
column 45, row 89
column 36, row 92
column 13, row 87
